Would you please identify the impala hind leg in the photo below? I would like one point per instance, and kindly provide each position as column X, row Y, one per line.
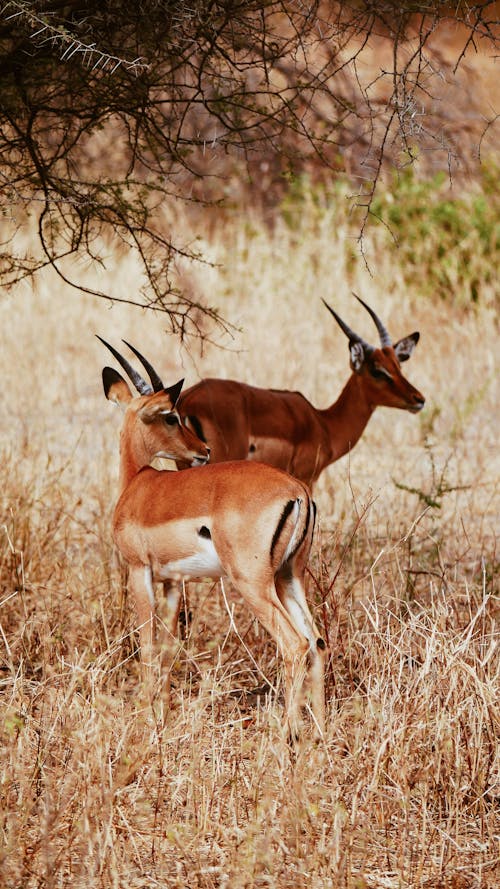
column 168, row 642
column 292, row 644
column 184, row 616
column 290, row 589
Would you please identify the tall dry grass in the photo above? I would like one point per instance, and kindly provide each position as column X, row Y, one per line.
column 100, row 790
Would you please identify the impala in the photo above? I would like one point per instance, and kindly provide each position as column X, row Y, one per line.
column 282, row 428
column 248, row 522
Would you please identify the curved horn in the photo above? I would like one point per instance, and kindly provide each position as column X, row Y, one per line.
column 142, row 387
column 383, row 333
column 153, row 376
column 350, row 334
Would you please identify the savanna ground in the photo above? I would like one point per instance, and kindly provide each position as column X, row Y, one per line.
column 100, row 790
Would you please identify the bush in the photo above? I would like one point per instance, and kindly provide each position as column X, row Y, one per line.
column 449, row 244
column 444, row 245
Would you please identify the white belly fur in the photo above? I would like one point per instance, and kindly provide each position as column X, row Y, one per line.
column 204, row 562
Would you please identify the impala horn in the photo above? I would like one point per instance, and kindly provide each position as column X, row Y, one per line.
column 142, row 387
column 350, row 334
column 385, row 339
column 153, row 376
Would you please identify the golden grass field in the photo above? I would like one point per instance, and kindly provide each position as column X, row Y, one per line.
column 100, row 790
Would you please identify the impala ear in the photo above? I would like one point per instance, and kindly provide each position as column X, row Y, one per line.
column 115, row 387
column 404, row 348
column 174, row 392
column 358, row 355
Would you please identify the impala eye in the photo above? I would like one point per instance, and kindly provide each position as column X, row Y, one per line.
column 171, row 419
column 379, row 373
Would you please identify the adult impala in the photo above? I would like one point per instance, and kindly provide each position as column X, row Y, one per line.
column 282, row 428
column 247, row 521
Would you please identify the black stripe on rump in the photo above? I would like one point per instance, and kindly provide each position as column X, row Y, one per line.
column 277, row 534
column 306, row 529
column 195, row 423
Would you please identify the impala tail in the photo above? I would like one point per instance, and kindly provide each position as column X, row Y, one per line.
column 295, row 529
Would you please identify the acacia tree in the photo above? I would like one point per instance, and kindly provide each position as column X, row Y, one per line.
column 109, row 109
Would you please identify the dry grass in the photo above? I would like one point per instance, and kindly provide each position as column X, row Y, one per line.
column 99, row 790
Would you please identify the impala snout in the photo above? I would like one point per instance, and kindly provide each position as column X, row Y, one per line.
column 416, row 402
column 199, row 452
column 197, row 456
column 201, row 459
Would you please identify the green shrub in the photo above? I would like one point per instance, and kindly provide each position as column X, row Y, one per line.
column 443, row 238
column 448, row 244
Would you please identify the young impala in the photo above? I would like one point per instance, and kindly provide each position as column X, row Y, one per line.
column 246, row 521
column 282, row 428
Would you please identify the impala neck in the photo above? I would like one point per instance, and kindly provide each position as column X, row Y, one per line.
column 346, row 419
column 132, row 457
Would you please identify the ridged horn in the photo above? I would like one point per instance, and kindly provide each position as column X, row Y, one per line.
column 153, row 376
column 383, row 333
column 140, row 384
column 352, row 336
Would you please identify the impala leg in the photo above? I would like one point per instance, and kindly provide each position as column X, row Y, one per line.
column 295, row 673
column 172, row 590
column 317, row 680
column 290, row 589
column 184, row 614
column 172, row 599
column 141, row 587
column 293, row 646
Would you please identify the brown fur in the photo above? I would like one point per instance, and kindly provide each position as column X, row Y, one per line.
column 282, row 428
column 231, row 519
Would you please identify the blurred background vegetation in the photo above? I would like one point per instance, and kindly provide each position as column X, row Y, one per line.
column 444, row 239
column 114, row 113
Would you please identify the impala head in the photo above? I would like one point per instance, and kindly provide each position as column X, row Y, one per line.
column 380, row 367
column 151, row 424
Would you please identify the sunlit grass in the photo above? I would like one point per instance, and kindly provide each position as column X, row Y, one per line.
column 99, row 789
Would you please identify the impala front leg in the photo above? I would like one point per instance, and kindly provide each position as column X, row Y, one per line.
column 141, row 586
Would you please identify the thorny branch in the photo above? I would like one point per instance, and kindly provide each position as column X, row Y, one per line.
column 110, row 111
